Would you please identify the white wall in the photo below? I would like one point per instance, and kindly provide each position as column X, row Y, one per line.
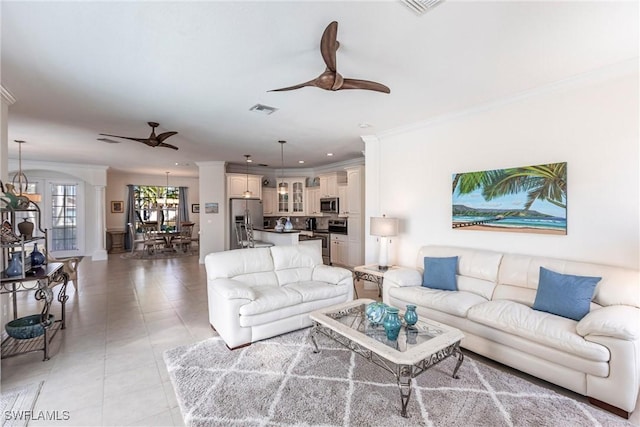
column 591, row 123
column 213, row 187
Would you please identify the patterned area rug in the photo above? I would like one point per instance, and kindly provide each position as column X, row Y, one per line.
column 17, row 404
column 281, row 382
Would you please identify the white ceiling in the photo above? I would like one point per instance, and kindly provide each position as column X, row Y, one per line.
column 81, row 68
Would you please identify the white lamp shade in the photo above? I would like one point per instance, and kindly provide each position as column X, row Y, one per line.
column 384, row 227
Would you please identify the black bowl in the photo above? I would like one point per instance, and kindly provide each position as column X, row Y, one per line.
column 27, row 327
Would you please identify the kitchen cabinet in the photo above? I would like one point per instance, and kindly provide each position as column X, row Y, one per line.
column 339, row 249
column 269, row 201
column 312, row 197
column 329, row 183
column 291, row 201
column 237, row 185
column 355, row 190
column 343, row 201
column 354, row 213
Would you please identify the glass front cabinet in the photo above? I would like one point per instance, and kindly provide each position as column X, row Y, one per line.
column 291, row 196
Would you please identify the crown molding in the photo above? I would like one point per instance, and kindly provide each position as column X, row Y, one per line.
column 607, row 72
column 7, row 97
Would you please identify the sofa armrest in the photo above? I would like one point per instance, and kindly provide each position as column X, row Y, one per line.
column 232, row 289
column 617, row 321
column 402, row 277
column 329, row 274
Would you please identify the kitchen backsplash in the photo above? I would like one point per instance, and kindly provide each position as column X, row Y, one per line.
column 299, row 221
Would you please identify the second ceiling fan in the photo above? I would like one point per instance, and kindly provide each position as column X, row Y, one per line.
column 331, row 79
column 153, row 140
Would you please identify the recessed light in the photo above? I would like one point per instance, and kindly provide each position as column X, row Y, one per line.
column 300, row 161
column 329, row 154
column 264, row 109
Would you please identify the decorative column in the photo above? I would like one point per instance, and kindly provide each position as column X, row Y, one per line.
column 100, row 229
column 372, row 193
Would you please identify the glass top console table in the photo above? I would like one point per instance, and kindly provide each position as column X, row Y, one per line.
column 417, row 348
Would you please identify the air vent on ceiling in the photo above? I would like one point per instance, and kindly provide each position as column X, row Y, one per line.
column 420, row 7
column 264, row 109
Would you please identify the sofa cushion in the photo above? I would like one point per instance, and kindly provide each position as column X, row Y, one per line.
column 295, row 263
column 229, row 264
column 544, row 328
column 270, row 298
column 566, row 295
column 312, row 291
column 440, row 273
column 455, row 303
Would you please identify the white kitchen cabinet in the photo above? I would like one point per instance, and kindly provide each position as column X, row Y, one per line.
column 343, row 201
column 355, row 240
column 354, row 213
column 329, row 183
column 339, row 249
column 237, row 185
column 269, row 201
column 291, row 202
column 313, row 201
column 355, row 190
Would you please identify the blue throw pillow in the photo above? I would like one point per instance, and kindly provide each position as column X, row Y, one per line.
column 440, row 273
column 565, row 295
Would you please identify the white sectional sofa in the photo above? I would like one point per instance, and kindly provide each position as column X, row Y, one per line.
column 597, row 356
column 259, row 293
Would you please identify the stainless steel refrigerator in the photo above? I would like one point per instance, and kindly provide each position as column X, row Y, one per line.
column 242, row 211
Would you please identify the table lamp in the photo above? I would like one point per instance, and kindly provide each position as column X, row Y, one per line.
column 384, row 228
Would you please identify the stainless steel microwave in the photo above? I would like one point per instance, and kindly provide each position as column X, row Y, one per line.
column 329, row 205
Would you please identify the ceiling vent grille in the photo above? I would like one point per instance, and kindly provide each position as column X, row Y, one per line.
column 264, row 109
column 420, row 7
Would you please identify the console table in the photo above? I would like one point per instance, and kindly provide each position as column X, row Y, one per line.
column 41, row 281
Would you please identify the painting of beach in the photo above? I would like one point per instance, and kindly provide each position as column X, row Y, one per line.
column 529, row 199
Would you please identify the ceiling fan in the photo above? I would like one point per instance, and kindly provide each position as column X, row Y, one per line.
column 331, row 79
column 153, row 140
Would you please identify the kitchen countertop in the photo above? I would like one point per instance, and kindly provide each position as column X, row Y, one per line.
column 273, row 230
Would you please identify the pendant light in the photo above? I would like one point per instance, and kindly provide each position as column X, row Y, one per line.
column 282, row 188
column 23, row 182
column 247, row 194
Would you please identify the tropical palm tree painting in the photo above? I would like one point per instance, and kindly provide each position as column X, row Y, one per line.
column 530, row 199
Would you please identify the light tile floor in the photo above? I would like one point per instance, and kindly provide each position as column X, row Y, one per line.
column 106, row 367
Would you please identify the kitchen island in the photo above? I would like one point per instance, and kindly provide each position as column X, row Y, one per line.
column 284, row 238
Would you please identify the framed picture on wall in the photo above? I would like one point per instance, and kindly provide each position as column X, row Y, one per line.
column 195, row 208
column 117, row 206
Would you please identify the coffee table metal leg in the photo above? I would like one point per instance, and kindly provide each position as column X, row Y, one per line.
column 459, row 363
column 404, row 384
column 314, row 333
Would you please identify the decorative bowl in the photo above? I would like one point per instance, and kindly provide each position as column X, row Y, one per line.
column 27, row 327
column 376, row 312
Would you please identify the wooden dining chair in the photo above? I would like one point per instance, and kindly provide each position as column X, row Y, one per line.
column 182, row 242
column 132, row 235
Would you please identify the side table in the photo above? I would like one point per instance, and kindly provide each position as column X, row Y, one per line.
column 370, row 273
column 117, row 240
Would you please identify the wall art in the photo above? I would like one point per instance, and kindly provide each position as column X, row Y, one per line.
column 529, row 199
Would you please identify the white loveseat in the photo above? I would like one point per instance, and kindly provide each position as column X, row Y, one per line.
column 259, row 293
column 598, row 356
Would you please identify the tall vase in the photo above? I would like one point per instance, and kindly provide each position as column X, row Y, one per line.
column 392, row 324
column 288, row 226
column 15, row 265
column 37, row 257
column 26, row 228
column 410, row 316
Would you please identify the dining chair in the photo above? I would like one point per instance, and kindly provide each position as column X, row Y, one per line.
column 132, row 235
column 151, row 242
column 182, row 242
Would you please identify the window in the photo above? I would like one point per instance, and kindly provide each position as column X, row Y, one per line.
column 64, row 217
column 157, row 205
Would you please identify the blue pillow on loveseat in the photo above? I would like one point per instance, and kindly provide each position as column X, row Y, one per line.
column 564, row 294
column 440, row 273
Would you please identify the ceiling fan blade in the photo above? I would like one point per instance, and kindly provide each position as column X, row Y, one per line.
column 165, row 135
column 309, row 83
column 364, row 84
column 127, row 137
column 329, row 45
column 164, row 144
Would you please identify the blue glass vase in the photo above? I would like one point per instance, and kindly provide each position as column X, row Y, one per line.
column 392, row 323
column 410, row 316
column 15, row 265
column 37, row 257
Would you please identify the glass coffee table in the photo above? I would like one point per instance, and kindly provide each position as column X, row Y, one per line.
column 417, row 348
